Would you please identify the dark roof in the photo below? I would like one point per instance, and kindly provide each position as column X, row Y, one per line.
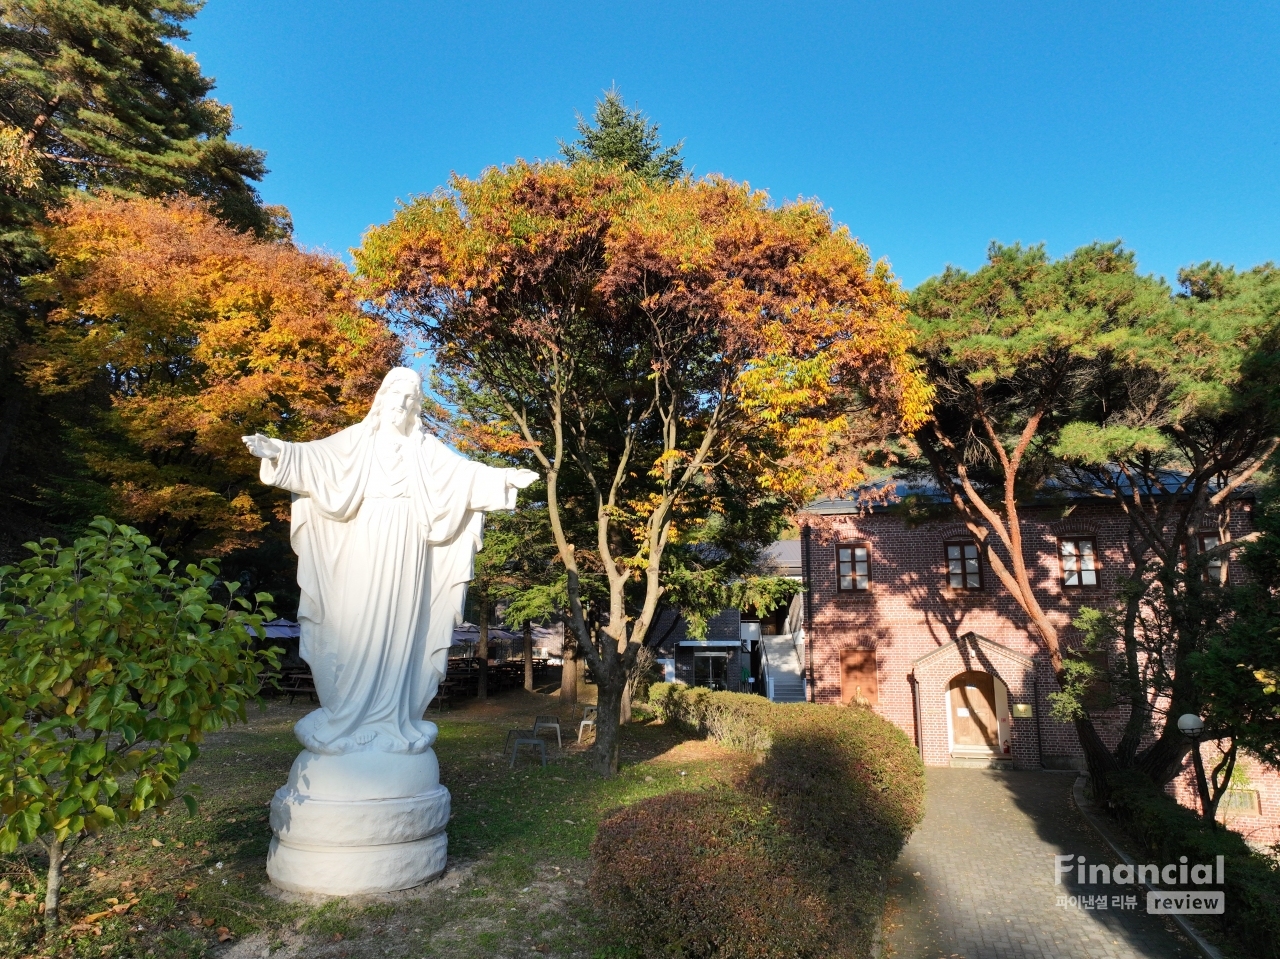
column 1070, row 485
column 781, row 558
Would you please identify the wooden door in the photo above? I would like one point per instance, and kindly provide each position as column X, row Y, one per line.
column 858, row 677
column 972, row 700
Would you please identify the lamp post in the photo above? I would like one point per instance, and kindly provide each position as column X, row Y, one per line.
column 1192, row 726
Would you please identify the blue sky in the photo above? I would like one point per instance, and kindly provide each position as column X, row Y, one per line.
column 929, row 128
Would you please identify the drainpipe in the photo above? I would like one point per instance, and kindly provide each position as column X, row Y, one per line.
column 915, row 696
column 1035, row 680
column 805, row 549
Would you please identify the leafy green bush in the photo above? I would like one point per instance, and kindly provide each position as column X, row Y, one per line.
column 788, row 861
column 113, row 665
column 1250, row 927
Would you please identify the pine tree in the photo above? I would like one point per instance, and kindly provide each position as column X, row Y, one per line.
column 624, row 136
column 94, row 94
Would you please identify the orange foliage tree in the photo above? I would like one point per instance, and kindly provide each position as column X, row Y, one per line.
column 672, row 349
column 180, row 334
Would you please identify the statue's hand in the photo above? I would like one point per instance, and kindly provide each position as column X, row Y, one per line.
column 263, row 447
column 520, row 479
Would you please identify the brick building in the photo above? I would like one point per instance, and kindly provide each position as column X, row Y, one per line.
column 904, row 616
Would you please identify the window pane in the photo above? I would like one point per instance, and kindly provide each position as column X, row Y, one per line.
column 861, row 567
column 1088, row 568
column 1214, row 569
column 844, row 567
column 962, row 566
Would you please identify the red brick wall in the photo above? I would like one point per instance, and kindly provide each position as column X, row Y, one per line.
column 1261, row 830
column 910, row 611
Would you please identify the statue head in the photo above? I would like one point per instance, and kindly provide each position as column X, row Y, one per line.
column 398, row 403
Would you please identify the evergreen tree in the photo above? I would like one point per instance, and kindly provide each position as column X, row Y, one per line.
column 624, row 136
column 94, row 94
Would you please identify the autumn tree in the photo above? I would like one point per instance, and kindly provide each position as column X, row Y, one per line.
column 95, row 96
column 177, row 335
column 669, row 346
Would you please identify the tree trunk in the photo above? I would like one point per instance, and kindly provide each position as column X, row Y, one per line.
column 1163, row 758
column 1099, row 759
column 1139, row 707
column 482, row 649
column 528, row 656
column 624, row 712
column 1208, row 807
column 569, row 671
column 1211, row 788
column 56, row 855
column 9, row 413
column 610, row 690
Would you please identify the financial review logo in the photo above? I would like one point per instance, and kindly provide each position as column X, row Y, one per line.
column 1160, row 900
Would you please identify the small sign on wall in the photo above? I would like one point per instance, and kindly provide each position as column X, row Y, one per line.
column 1022, row 711
column 962, row 712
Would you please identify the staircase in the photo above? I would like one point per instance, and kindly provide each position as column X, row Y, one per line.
column 980, row 761
column 784, row 673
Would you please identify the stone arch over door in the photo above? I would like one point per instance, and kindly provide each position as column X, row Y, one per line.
column 972, row 653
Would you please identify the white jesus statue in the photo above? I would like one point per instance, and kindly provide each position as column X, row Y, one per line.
column 386, row 522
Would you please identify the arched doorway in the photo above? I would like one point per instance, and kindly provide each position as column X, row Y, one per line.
column 978, row 715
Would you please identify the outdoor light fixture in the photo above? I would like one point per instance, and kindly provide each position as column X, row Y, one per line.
column 1190, row 725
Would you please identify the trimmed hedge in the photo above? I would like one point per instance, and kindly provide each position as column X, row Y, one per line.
column 1250, row 927
column 789, row 860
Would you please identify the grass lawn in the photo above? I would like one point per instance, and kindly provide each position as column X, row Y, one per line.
column 186, row 887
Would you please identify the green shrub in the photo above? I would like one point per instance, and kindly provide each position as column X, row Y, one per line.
column 708, row 874
column 789, row 860
column 114, row 663
column 1250, row 927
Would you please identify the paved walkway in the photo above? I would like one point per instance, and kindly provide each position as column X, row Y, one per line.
column 977, row 878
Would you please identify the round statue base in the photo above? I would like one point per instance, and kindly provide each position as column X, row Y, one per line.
column 360, row 822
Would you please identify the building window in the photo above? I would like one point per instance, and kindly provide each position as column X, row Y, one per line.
column 853, row 568
column 1079, row 558
column 1215, row 571
column 964, row 568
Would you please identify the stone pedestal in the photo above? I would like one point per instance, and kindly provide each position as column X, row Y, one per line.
column 360, row 822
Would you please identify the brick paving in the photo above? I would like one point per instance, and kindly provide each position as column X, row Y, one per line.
column 976, row 881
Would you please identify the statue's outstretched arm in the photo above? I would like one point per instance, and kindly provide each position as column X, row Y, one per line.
column 263, row 447
column 520, row 479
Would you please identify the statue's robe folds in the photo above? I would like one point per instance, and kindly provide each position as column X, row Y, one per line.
column 386, row 541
